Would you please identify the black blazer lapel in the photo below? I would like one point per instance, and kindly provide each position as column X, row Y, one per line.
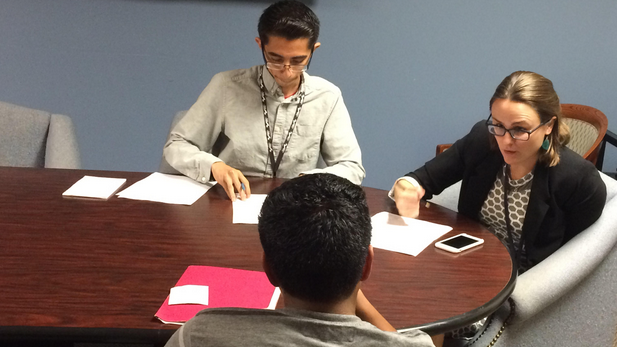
column 479, row 182
column 538, row 205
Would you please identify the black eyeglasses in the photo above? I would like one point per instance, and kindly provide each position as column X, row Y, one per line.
column 517, row 133
column 292, row 67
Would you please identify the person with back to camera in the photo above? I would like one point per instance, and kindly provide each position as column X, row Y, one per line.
column 315, row 231
column 271, row 120
column 519, row 152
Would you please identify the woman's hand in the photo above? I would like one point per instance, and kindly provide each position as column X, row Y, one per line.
column 407, row 198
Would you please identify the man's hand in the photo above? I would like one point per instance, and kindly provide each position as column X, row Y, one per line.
column 407, row 198
column 232, row 180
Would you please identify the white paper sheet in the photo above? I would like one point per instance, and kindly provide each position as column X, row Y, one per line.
column 169, row 189
column 404, row 235
column 189, row 294
column 94, row 187
column 247, row 211
column 275, row 298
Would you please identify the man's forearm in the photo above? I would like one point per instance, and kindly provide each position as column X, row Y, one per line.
column 367, row 312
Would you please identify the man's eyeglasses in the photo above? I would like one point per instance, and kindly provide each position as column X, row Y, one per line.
column 292, row 67
column 517, row 133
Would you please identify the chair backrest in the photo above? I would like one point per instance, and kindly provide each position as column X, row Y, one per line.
column 587, row 129
column 164, row 167
column 442, row 147
column 34, row 138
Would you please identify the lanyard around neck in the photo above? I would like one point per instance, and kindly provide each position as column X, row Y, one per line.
column 514, row 252
column 275, row 163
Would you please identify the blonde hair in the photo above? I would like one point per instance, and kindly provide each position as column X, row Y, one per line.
column 537, row 92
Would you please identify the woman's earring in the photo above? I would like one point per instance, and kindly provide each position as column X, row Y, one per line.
column 546, row 143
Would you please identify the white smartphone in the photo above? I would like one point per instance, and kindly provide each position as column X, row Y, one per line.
column 459, row 243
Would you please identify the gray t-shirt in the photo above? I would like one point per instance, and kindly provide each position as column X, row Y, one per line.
column 286, row 327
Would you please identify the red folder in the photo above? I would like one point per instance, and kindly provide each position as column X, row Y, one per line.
column 227, row 288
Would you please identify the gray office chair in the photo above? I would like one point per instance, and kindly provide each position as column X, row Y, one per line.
column 568, row 299
column 34, row 138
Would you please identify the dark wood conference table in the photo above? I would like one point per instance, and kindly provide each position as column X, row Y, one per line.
column 96, row 271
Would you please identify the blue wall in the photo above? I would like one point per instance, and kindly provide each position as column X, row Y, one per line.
column 413, row 73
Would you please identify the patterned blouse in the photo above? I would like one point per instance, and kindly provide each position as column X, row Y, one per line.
column 492, row 212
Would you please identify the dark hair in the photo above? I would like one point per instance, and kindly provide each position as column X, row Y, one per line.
column 537, row 92
column 289, row 19
column 315, row 231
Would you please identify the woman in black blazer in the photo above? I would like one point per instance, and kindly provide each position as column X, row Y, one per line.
column 518, row 152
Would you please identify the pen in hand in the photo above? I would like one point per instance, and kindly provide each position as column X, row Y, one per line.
column 242, row 189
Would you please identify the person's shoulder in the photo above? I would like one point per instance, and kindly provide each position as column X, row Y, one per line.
column 349, row 326
column 221, row 316
column 313, row 324
column 478, row 140
column 480, row 127
column 574, row 171
column 213, row 313
column 321, row 85
column 478, row 131
column 416, row 337
column 212, row 325
column 571, row 163
column 412, row 338
column 237, row 75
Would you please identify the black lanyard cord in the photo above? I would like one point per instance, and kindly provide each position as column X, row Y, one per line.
column 275, row 163
column 514, row 252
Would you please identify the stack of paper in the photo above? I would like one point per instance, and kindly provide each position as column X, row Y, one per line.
column 170, row 189
column 94, row 187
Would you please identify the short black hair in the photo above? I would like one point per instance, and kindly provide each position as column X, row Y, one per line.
column 289, row 19
column 315, row 231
